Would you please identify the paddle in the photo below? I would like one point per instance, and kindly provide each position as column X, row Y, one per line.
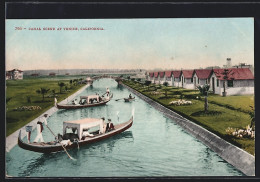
column 61, row 144
column 118, row 99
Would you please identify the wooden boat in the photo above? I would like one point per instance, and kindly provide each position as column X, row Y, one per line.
column 129, row 99
column 85, row 101
column 80, row 126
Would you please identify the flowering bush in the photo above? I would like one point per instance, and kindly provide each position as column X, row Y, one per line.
column 241, row 133
column 155, row 93
column 180, row 102
column 27, row 108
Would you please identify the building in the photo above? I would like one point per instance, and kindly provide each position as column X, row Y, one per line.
column 169, row 77
column 201, row 77
column 239, row 81
column 151, row 77
column 187, row 79
column 176, row 74
column 14, row 74
column 52, row 74
column 156, row 77
column 161, row 77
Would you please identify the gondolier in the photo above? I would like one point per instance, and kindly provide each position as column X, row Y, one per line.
column 107, row 92
column 40, row 128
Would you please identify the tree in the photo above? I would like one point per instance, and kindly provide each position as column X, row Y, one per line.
column 42, row 91
column 139, row 79
column 204, row 91
column 133, row 79
column 61, row 84
column 166, row 88
column 147, row 83
column 225, row 77
column 8, row 99
column 252, row 116
column 128, row 77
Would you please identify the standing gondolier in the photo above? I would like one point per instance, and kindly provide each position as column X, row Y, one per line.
column 40, row 128
column 108, row 92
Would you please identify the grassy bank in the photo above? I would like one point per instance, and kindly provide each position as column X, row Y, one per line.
column 231, row 111
column 23, row 93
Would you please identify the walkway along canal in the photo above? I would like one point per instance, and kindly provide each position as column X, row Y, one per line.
column 232, row 154
column 154, row 146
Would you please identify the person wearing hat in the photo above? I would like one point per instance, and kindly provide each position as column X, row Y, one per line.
column 110, row 126
column 40, row 128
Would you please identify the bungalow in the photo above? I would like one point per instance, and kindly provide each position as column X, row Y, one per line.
column 201, row 77
column 187, row 79
column 151, row 77
column 176, row 82
column 161, row 77
column 239, row 81
column 8, row 76
column 156, row 77
column 14, row 74
column 52, row 74
column 169, row 77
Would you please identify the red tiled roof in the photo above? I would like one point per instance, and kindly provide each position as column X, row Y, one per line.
column 234, row 74
column 187, row 73
column 156, row 74
column 203, row 73
column 161, row 74
column 176, row 74
column 15, row 70
column 168, row 74
column 151, row 74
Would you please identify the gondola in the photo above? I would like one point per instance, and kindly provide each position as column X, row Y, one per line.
column 76, row 140
column 129, row 99
column 85, row 101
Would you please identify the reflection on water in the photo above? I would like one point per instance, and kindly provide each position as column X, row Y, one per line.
column 153, row 146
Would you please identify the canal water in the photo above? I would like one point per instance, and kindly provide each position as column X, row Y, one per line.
column 153, row 147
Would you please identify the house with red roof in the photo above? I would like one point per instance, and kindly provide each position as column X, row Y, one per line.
column 169, row 77
column 161, row 77
column 176, row 74
column 187, row 79
column 151, row 77
column 156, row 77
column 238, row 81
column 14, row 74
column 201, row 77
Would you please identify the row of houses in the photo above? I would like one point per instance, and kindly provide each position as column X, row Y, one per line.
column 238, row 81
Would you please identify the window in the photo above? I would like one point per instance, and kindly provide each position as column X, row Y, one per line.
column 191, row 80
column 217, row 82
column 230, row 83
column 174, row 79
column 206, row 81
column 184, row 80
column 198, row 80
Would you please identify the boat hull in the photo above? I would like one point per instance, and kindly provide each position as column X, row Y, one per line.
column 71, row 106
column 128, row 100
column 49, row 148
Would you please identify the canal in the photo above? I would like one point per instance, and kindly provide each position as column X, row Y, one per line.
column 153, row 146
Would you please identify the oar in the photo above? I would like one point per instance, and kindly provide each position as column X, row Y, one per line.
column 60, row 144
column 118, row 99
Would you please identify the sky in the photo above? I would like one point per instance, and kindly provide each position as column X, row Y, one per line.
column 155, row 43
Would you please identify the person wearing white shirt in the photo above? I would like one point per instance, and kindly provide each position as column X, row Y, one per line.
column 40, row 128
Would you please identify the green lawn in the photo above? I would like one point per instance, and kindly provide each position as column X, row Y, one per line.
column 18, row 90
column 234, row 111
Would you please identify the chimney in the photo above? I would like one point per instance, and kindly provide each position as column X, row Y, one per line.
column 229, row 65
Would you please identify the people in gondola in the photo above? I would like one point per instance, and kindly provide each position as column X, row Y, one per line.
column 130, row 96
column 110, row 126
column 40, row 128
column 86, row 134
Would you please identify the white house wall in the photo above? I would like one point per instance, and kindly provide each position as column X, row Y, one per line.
column 240, row 87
